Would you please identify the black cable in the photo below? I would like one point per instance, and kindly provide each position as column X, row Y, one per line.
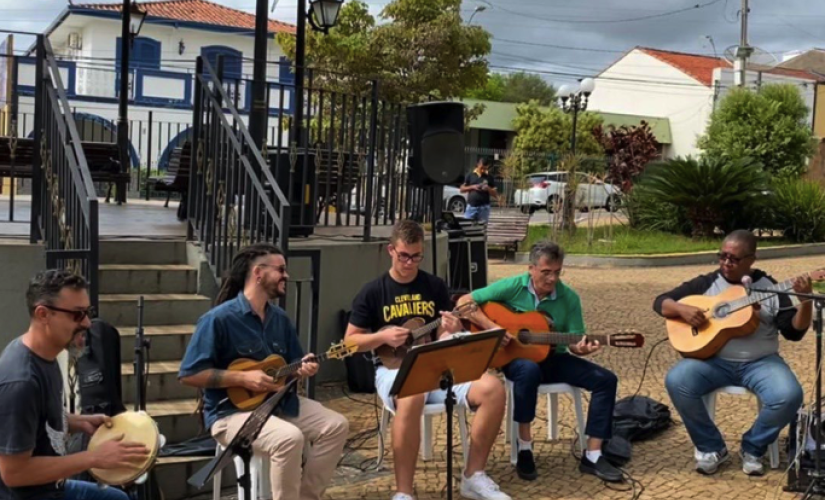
column 632, row 483
column 647, row 362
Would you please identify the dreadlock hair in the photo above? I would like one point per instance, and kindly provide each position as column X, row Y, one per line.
column 241, row 265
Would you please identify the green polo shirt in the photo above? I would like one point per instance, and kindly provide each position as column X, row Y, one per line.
column 516, row 292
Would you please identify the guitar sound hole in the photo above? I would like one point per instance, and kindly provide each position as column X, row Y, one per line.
column 722, row 310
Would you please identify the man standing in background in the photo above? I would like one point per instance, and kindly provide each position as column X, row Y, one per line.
column 480, row 185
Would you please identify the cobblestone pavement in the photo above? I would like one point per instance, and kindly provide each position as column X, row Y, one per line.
column 612, row 299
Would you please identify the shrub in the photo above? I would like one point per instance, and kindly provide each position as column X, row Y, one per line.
column 710, row 189
column 645, row 212
column 799, row 210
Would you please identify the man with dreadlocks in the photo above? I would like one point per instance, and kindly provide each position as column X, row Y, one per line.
column 245, row 324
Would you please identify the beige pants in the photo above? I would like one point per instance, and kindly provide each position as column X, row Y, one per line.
column 282, row 439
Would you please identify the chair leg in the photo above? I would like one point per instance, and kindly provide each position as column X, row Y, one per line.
column 512, row 425
column 264, row 484
column 580, row 422
column 168, row 196
column 462, row 432
column 239, row 471
column 508, row 411
column 217, row 479
column 552, row 417
column 426, row 437
column 254, row 470
column 382, row 437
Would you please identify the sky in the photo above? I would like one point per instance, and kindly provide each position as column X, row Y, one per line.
column 564, row 40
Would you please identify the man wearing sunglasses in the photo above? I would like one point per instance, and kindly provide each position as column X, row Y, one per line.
column 752, row 362
column 404, row 293
column 541, row 289
column 33, row 460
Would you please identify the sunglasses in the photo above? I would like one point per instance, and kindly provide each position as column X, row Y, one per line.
column 723, row 256
column 77, row 316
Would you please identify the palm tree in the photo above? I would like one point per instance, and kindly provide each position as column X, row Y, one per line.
column 710, row 189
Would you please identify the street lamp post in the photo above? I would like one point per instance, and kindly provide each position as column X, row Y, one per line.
column 133, row 18
column 573, row 100
column 322, row 15
column 479, row 8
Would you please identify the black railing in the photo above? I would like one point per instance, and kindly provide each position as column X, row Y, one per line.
column 64, row 204
column 233, row 199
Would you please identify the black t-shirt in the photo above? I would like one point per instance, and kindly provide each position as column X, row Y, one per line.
column 31, row 414
column 384, row 301
column 478, row 198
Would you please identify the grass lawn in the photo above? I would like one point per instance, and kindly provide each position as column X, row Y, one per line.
column 628, row 241
column 819, row 287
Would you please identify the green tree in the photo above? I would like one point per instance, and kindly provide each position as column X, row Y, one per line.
column 516, row 87
column 768, row 126
column 420, row 49
column 545, row 132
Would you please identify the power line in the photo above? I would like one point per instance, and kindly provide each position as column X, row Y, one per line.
column 602, row 21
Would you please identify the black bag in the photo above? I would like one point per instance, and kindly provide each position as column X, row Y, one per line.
column 98, row 371
column 639, row 417
column 360, row 368
column 617, row 451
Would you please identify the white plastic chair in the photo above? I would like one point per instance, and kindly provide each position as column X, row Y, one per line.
column 710, row 404
column 552, row 391
column 430, row 410
column 260, row 486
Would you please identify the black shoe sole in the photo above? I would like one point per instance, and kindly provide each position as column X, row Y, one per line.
column 591, row 470
column 527, row 476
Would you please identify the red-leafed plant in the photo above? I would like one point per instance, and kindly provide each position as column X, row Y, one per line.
column 630, row 149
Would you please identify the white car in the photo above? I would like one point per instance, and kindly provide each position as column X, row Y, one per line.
column 546, row 190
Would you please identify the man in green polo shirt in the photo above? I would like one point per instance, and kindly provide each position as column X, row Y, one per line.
column 541, row 288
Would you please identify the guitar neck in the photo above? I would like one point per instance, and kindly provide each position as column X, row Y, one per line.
column 557, row 338
column 424, row 330
column 756, row 297
column 292, row 368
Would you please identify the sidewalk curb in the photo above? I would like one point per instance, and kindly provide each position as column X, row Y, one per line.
column 682, row 259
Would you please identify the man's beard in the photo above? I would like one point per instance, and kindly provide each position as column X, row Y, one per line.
column 273, row 290
column 76, row 351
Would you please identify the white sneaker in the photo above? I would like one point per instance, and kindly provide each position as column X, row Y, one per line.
column 479, row 486
column 751, row 465
column 708, row 463
column 402, row 496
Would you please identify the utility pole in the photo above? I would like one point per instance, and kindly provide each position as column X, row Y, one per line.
column 744, row 51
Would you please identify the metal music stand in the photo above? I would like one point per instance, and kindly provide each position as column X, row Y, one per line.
column 442, row 364
column 817, row 486
column 241, row 444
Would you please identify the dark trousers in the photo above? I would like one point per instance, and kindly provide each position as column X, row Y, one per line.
column 527, row 375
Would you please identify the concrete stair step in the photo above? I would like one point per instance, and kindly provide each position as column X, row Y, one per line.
column 160, row 309
column 162, row 383
column 167, row 342
column 147, row 278
column 175, row 418
column 137, row 251
column 173, row 472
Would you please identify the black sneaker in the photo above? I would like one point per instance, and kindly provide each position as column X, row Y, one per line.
column 526, row 466
column 602, row 469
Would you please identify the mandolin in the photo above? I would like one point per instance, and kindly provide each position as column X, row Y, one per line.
column 392, row 357
column 276, row 367
column 534, row 340
column 730, row 314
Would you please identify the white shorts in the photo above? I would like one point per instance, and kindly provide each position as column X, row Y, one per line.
column 384, row 378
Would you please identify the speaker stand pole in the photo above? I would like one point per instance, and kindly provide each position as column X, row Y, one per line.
column 436, row 193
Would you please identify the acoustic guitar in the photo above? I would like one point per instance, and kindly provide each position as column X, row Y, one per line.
column 276, row 367
column 392, row 357
column 534, row 339
column 730, row 314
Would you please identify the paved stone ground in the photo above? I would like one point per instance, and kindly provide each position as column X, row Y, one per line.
column 613, row 299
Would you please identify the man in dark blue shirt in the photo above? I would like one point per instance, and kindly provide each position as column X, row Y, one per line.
column 246, row 324
column 479, row 185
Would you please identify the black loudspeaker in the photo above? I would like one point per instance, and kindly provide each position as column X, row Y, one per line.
column 468, row 263
column 304, row 198
column 437, row 143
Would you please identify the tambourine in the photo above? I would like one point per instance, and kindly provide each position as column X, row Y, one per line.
column 137, row 427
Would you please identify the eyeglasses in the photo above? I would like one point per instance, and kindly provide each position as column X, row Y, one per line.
column 405, row 257
column 724, row 256
column 280, row 269
column 77, row 315
column 549, row 273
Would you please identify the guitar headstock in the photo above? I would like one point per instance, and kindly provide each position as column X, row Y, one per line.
column 626, row 338
column 464, row 310
column 343, row 349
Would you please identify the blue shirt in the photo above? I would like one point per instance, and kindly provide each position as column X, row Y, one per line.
column 231, row 331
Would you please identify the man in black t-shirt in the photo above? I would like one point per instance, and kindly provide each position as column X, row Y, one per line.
column 480, row 185
column 34, row 422
column 404, row 293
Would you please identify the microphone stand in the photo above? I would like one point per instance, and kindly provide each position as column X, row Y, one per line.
column 141, row 355
column 817, row 476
